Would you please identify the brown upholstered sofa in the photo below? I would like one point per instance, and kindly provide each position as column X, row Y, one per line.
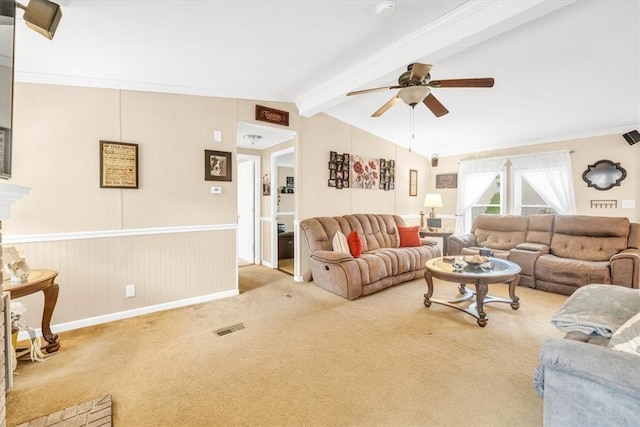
column 382, row 263
column 559, row 253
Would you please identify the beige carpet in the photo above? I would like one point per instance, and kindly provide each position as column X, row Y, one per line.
column 305, row 358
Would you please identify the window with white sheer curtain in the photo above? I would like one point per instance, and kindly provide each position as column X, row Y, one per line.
column 550, row 175
column 474, row 178
column 492, row 201
column 526, row 200
column 542, row 182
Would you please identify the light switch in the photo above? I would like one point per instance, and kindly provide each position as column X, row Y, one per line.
column 628, row 204
column 217, row 136
column 216, row 190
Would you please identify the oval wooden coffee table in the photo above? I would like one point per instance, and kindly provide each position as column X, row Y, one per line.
column 494, row 271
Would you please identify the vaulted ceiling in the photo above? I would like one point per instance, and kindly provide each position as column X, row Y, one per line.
column 562, row 68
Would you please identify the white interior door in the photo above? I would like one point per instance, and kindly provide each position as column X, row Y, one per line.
column 246, row 211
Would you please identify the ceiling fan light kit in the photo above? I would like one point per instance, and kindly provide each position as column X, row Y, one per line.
column 252, row 138
column 413, row 95
column 415, row 86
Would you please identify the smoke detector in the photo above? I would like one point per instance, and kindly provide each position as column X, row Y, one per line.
column 385, row 8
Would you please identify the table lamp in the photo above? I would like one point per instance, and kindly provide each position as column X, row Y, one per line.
column 433, row 200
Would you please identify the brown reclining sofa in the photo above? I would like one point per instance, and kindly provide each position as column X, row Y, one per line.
column 382, row 263
column 559, row 253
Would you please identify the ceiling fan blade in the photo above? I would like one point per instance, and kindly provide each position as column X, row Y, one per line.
column 390, row 103
column 419, row 71
column 375, row 89
column 482, row 82
column 435, row 106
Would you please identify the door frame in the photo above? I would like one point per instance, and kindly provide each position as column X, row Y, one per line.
column 257, row 187
column 274, row 203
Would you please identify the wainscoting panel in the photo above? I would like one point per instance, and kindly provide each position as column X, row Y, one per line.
column 165, row 267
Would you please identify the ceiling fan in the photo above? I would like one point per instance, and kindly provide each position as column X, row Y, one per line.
column 415, row 86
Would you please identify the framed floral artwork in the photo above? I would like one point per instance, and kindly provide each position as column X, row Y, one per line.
column 364, row 172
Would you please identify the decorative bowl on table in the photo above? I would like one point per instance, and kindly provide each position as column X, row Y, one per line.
column 476, row 261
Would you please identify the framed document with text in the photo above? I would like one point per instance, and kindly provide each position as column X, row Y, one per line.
column 413, row 182
column 118, row 165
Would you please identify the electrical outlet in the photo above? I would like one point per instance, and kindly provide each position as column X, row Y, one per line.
column 130, row 291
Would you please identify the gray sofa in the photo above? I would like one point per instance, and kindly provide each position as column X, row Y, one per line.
column 559, row 253
column 382, row 263
column 582, row 381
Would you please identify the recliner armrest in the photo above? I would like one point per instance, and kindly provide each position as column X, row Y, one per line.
column 457, row 243
column 625, row 268
column 426, row 241
column 587, row 361
column 331, row 256
column 629, row 252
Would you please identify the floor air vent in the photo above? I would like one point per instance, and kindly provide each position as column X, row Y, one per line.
column 229, row 329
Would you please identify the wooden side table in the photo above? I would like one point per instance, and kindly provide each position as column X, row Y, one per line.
column 40, row 280
column 445, row 238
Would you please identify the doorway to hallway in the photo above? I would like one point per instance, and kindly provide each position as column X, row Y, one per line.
column 248, row 200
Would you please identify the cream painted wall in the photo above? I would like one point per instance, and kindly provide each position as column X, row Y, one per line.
column 586, row 151
column 411, row 205
column 174, row 131
column 56, row 153
column 57, row 130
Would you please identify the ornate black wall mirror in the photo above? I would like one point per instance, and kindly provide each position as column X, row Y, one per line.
column 604, row 174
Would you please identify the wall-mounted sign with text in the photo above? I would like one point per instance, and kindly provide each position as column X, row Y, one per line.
column 271, row 115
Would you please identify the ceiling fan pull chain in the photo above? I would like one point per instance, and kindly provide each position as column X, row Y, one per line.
column 412, row 126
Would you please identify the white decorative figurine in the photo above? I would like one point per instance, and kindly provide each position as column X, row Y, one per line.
column 14, row 265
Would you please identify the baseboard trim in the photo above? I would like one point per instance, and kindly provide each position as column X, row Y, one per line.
column 92, row 321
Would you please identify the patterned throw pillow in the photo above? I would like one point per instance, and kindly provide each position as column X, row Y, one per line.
column 627, row 337
column 339, row 243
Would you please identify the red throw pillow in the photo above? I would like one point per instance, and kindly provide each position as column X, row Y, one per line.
column 355, row 244
column 409, row 236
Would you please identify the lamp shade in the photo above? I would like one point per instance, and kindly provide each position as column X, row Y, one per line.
column 413, row 95
column 433, row 200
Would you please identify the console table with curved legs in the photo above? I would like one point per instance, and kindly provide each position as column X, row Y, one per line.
column 40, row 280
